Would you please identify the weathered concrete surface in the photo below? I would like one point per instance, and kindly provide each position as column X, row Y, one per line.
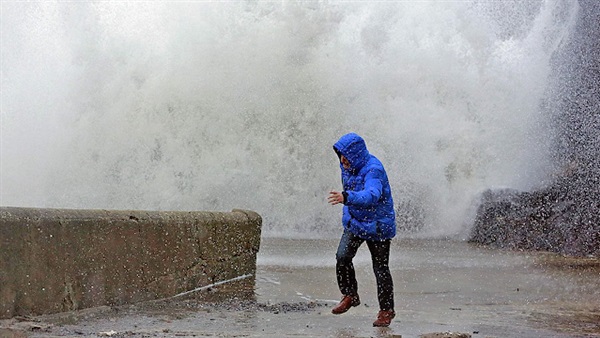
column 54, row 260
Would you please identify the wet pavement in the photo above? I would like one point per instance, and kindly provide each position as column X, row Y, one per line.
column 441, row 286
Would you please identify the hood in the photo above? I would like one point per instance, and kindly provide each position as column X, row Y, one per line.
column 354, row 148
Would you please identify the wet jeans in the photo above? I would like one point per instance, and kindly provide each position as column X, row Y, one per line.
column 380, row 255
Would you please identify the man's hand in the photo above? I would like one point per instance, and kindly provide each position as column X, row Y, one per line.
column 335, row 197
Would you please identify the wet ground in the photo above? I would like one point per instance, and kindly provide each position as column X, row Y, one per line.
column 440, row 287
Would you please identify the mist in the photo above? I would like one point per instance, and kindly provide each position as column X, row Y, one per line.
column 222, row 105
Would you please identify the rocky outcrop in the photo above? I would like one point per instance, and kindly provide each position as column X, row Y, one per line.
column 563, row 217
column 557, row 219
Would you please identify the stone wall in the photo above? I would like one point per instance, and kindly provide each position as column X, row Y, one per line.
column 54, row 260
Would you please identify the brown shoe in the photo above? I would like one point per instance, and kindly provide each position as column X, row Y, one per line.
column 384, row 318
column 345, row 304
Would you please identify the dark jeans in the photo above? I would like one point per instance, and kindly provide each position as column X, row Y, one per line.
column 380, row 256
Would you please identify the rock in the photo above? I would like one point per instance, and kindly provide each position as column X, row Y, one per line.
column 556, row 219
column 107, row 333
column 445, row 335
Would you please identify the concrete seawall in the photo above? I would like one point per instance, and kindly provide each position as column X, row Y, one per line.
column 54, row 260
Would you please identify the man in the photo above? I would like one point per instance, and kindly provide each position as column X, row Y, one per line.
column 368, row 215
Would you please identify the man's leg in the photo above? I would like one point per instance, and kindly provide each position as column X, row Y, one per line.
column 380, row 255
column 346, row 276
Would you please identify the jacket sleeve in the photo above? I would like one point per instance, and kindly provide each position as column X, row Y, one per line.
column 372, row 191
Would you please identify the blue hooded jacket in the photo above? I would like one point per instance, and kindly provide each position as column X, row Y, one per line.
column 368, row 208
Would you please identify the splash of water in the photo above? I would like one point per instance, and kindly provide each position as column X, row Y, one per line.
column 214, row 106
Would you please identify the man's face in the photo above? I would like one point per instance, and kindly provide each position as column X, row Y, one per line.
column 345, row 162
